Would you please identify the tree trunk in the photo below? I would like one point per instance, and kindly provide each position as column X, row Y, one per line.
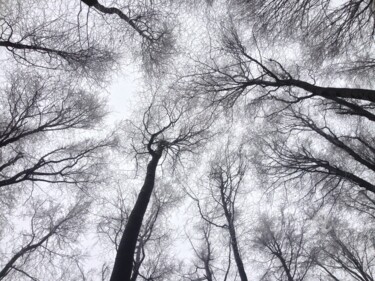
column 233, row 236
column 236, row 253
column 123, row 266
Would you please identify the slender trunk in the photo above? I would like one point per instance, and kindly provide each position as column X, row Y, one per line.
column 20, row 46
column 355, row 109
column 337, row 95
column 207, row 260
column 123, row 266
column 207, row 270
column 236, row 253
column 233, row 236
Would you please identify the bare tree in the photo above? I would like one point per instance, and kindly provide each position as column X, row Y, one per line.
column 150, row 22
column 288, row 96
column 153, row 238
column 226, row 179
column 285, row 242
column 232, row 72
column 52, row 230
column 325, row 29
column 86, row 37
column 34, row 110
column 52, row 39
column 160, row 133
column 345, row 252
column 205, row 256
column 212, row 258
column 42, row 158
column 341, row 173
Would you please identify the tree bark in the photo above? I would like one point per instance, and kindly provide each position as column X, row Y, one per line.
column 123, row 266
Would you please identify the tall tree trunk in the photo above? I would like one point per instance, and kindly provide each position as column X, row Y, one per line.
column 124, row 259
column 233, row 236
column 236, row 253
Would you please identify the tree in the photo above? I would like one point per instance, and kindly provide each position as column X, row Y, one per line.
column 295, row 80
column 51, row 39
column 212, row 258
column 232, row 71
column 52, row 229
column 324, row 29
column 38, row 163
column 149, row 22
column 159, row 133
column 340, row 174
column 345, row 252
column 85, row 37
column 151, row 260
column 285, row 241
column 204, row 255
column 304, row 102
column 34, row 110
column 226, row 178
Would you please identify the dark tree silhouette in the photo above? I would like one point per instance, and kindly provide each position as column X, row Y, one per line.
column 160, row 133
column 226, row 178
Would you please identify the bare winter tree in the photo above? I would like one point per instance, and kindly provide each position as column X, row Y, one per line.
column 341, row 173
column 49, row 234
column 303, row 68
column 325, row 29
column 226, row 177
column 320, row 136
column 41, row 158
column 284, row 242
column 203, row 268
column 232, row 72
column 163, row 131
column 151, row 260
column 212, row 258
column 148, row 20
column 345, row 252
column 46, row 35
column 34, row 110
column 86, row 37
